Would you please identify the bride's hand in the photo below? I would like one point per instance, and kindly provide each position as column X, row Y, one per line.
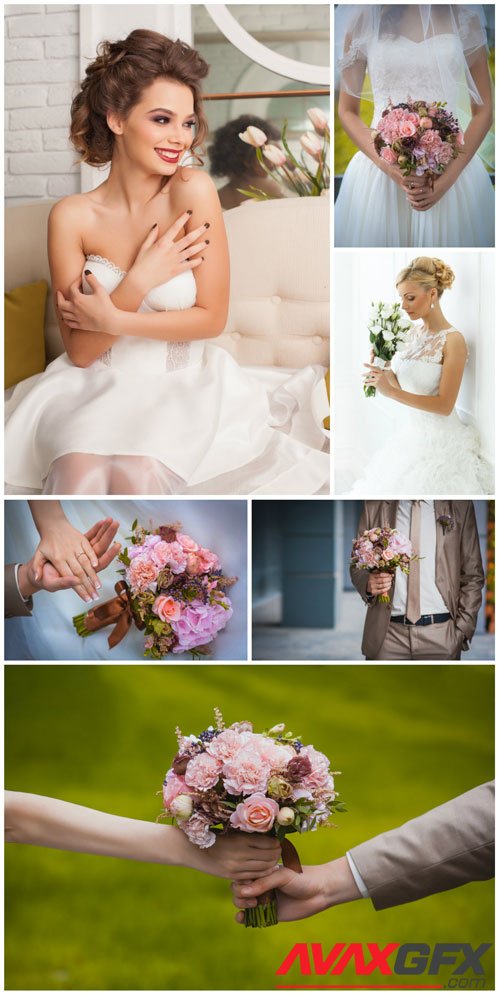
column 72, row 554
column 89, row 312
column 160, row 259
column 423, row 199
column 409, row 184
column 379, row 378
column 239, row 856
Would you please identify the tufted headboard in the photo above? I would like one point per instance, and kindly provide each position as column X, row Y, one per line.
column 279, row 251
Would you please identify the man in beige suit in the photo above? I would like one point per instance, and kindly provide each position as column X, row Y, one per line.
column 432, row 612
column 22, row 581
column 440, row 850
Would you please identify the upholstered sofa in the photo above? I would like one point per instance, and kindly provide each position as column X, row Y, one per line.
column 279, row 312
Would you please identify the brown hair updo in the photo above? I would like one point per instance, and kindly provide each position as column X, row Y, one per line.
column 428, row 272
column 114, row 81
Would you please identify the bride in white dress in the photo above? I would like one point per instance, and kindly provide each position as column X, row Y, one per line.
column 431, row 52
column 433, row 452
column 141, row 402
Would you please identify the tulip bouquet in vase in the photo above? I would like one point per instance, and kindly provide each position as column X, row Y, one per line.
column 419, row 137
column 281, row 164
column 230, row 779
column 382, row 550
column 389, row 332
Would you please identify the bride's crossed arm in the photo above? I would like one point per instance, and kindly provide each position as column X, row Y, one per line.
column 46, row 822
column 454, row 360
column 117, row 315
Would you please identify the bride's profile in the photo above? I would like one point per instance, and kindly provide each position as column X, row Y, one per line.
column 421, row 52
column 141, row 402
column 432, row 449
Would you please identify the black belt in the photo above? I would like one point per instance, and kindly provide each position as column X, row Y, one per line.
column 424, row 620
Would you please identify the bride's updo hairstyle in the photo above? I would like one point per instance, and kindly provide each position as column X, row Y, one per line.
column 428, row 272
column 115, row 81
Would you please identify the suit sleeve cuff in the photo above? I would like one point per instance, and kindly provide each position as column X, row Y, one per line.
column 357, row 877
column 27, row 601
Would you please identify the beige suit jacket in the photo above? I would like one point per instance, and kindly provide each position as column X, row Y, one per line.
column 446, row 847
column 459, row 569
column 14, row 604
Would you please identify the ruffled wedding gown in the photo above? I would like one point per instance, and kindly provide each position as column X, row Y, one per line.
column 429, row 454
column 155, row 417
column 371, row 209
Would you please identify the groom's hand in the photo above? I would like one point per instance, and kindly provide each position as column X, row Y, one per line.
column 35, row 576
column 379, row 584
column 300, row 895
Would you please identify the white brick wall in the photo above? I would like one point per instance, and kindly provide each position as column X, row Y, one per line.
column 41, row 73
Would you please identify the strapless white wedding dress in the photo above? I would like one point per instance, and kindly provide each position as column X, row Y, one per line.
column 156, row 417
column 371, row 209
column 429, row 454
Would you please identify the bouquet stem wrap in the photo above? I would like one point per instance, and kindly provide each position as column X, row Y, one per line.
column 265, row 914
column 116, row 610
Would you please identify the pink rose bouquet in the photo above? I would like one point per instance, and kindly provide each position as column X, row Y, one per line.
column 232, row 779
column 418, row 137
column 382, row 549
column 173, row 588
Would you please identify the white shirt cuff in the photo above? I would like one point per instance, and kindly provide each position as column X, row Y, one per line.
column 357, row 877
column 21, row 596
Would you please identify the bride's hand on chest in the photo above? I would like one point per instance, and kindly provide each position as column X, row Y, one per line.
column 160, row 258
column 93, row 312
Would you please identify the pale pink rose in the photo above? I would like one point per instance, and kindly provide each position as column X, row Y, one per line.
column 387, row 554
column 246, row 772
column 193, row 564
column 141, row 573
column 203, row 772
column 167, row 608
column 255, row 815
column 173, row 786
column 388, row 155
column 274, row 155
column 188, row 544
column 197, row 830
column 227, row 744
column 253, row 136
column 407, row 129
column 426, row 123
column 413, row 117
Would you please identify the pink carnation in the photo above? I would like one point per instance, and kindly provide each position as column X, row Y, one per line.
column 188, row 544
column 227, row 744
column 141, row 573
column 246, row 772
column 173, row 786
column 203, row 772
column 197, row 829
column 255, row 815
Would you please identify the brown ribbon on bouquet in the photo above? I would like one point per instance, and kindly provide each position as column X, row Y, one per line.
column 116, row 610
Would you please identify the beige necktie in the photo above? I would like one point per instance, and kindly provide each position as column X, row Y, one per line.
column 413, row 596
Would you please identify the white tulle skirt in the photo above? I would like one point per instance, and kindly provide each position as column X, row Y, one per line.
column 429, row 455
column 372, row 210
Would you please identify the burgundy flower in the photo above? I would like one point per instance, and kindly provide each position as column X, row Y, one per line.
column 298, row 768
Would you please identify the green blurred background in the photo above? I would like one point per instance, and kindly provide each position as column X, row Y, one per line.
column 405, row 737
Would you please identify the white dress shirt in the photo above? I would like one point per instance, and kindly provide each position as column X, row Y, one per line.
column 431, row 602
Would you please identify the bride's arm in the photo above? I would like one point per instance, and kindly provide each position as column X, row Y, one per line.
column 454, row 360
column 207, row 318
column 46, row 822
column 66, row 261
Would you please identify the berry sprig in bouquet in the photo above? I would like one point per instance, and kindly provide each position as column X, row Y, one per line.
column 173, row 588
column 388, row 332
column 382, row 549
column 419, row 137
column 232, row 779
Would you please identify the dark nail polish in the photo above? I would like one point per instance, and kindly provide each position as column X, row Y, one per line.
column 87, row 272
column 203, row 257
column 189, row 212
column 154, row 226
column 207, row 224
column 207, row 242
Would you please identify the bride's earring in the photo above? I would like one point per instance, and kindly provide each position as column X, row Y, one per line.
column 432, row 305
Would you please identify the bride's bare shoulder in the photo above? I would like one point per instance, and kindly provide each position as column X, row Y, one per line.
column 188, row 183
column 74, row 210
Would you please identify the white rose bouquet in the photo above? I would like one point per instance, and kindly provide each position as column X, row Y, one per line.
column 388, row 333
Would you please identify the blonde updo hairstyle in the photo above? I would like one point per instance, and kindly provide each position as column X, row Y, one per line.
column 115, row 80
column 428, row 272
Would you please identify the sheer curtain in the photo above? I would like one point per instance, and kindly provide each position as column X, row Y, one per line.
column 49, row 634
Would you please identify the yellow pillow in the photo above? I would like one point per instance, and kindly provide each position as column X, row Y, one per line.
column 24, row 326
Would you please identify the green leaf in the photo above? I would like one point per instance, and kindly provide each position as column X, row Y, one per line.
column 134, row 525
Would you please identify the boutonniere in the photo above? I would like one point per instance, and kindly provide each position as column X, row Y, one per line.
column 447, row 523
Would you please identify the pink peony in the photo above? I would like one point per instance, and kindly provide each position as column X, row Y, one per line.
column 203, row 772
column 388, row 155
column 227, row 744
column 188, row 545
column 199, row 624
column 141, row 573
column 167, row 608
column 246, row 772
column 173, row 786
column 255, row 815
column 197, row 830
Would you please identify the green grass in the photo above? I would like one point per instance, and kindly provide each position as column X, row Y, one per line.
column 405, row 737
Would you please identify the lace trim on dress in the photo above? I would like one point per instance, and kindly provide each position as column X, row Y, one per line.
column 353, row 55
column 107, row 262
column 177, row 355
column 427, row 346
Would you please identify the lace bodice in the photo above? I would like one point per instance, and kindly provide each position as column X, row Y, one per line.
column 137, row 353
column 419, row 365
column 399, row 68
